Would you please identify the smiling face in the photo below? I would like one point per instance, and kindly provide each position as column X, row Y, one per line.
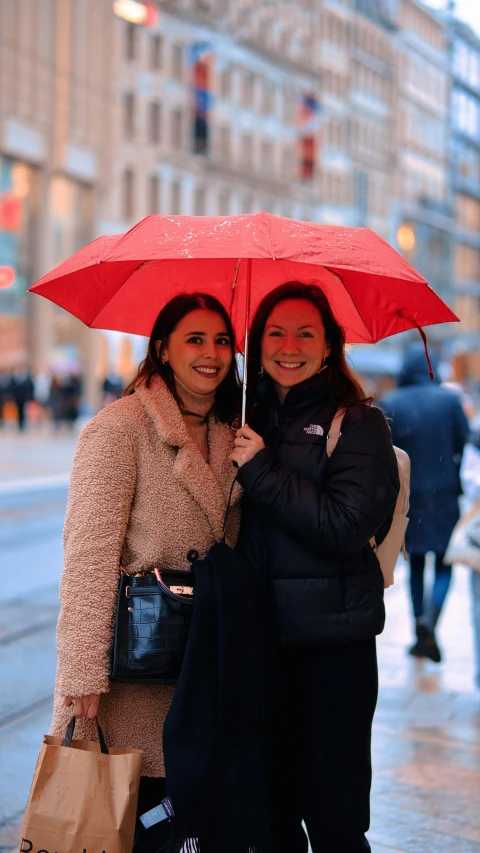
column 199, row 351
column 293, row 344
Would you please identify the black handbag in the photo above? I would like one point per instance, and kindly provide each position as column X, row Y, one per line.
column 153, row 615
column 154, row 609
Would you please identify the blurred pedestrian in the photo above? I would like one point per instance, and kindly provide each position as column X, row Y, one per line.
column 464, row 546
column 5, row 391
column 429, row 423
column 471, row 485
column 64, row 399
column 71, row 391
column 150, row 481
column 306, row 527
column 22, row 392
column 112, row 388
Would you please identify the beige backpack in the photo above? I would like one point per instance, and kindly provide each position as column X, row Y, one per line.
column 394, row 541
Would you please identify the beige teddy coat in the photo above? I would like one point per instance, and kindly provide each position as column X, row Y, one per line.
column 141, row 495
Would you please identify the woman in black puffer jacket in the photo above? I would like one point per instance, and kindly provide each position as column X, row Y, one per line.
column 306, row 525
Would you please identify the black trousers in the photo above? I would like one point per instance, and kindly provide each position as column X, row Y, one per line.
column 319, row 748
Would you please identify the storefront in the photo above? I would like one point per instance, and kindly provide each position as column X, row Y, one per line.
column 20, row 205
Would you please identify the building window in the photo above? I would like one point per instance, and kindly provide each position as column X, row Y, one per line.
column 177, row 62
column 287, row 162
column 131, row 31
column 268, row 98
column 247, row 150
column 177, row 129
column 199, row 201
column 467, row 161
column 466, row 111
column 467, row 64
column 176, row 202
column 156, row 52
column 267, row 157
column 224, row 203
column 467, row 263
column 129, row 115
column 248, row 89
column 154, row 194
column 467, row 212
column 128, row 194
column 226, row 83
column 155, row 122
column 224, row 143
column 288, row 108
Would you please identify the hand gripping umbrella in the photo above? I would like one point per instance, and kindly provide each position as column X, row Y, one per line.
column 121, row 282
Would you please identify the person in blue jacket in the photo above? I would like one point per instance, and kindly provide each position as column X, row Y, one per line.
column 428, row 422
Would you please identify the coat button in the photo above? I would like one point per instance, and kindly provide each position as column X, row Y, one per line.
column 192, row 556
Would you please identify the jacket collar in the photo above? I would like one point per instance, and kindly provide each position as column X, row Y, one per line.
column 208, row 484
column 300, row 398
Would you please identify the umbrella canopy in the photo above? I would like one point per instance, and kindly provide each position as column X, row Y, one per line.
column 121, row 282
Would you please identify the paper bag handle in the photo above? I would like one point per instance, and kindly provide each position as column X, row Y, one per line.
column 67, row 741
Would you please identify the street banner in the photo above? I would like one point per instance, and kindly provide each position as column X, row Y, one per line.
column 308, row 129
column 201, row 62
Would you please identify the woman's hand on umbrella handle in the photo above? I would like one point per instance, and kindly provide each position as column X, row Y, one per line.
column 247, row 445
column 83, row 706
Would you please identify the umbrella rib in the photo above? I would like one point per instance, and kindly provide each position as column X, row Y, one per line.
column 270, row 235
column 234, row 284
column 357, row 309
column 92, row 320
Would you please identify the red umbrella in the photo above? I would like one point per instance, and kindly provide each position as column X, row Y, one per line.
column 121, row 282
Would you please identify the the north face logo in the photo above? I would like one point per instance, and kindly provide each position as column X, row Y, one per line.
column 313, row 429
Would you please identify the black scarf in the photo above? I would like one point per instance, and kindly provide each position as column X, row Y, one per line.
column 213, row 736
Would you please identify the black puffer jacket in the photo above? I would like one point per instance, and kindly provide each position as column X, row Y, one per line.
column 308, row 519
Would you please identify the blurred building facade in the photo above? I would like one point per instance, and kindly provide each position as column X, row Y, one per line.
column 56, row 96
column 465, row 189
column 357, row 112
column 422, row 216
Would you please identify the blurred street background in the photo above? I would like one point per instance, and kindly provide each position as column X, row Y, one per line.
column 353, row 112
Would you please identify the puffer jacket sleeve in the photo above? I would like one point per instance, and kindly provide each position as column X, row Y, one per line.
column 358, row 494
column 101, row 489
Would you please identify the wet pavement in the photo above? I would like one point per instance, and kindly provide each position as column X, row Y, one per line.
column 36, row 453
column 426, row 742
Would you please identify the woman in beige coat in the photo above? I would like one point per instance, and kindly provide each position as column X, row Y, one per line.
column 150, row 482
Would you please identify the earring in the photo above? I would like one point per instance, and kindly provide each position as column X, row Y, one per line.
column 261, row 372
column 324, row 364
column 165, row 361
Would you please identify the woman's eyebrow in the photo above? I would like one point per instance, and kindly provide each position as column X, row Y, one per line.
column 299, row 329
column 217, row 334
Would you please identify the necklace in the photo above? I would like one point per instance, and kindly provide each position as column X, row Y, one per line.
column 203, row 418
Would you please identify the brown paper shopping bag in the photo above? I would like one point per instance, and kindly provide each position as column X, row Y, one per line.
column 83, row 797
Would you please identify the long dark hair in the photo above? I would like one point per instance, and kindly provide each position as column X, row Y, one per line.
column 227, row 397
column 344, row 386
